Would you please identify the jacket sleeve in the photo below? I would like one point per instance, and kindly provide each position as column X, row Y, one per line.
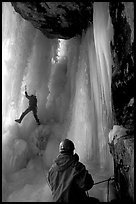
column 26, row 94
column 50, row 176
column 83, row 179
column 48, row 180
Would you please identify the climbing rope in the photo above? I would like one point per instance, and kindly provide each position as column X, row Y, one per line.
column 111, row 178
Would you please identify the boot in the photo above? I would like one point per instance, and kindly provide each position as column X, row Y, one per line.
column 18, row 120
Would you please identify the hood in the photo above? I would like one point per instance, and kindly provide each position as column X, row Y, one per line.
column 63, row 161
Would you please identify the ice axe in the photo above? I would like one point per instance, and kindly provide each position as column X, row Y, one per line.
column 25, row 88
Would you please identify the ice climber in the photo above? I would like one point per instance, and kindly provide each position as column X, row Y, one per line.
column 32, row 107
column 68, row 178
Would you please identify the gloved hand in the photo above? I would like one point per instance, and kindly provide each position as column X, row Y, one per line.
column 26, row 93
column 25, row 90
column 111, row 178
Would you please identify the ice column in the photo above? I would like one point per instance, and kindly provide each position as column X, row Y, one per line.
column 91, row 117
column 102, row 31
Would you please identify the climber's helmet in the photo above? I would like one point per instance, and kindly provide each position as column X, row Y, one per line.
column 66, row 146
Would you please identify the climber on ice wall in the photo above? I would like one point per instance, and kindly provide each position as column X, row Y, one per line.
column 32, row 107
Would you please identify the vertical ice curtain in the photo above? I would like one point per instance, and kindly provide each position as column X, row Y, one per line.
column 91, row 112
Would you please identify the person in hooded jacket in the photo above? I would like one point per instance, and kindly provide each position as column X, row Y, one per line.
column 68, row 178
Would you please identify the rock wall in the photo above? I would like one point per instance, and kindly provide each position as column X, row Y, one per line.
column 57, row 19
column 122, row 15
column 123, row 154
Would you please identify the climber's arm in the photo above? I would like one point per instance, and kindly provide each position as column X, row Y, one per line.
column 26, row 94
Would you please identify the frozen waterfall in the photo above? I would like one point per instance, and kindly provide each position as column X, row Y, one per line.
column 72, row 80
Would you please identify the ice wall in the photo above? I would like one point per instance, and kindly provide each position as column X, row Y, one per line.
column 91, row 111
column 26, row 60
column 72, row 85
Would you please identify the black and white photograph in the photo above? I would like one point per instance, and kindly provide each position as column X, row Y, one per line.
column 68, row 102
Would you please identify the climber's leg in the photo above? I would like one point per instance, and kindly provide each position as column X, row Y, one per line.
column 23, row 114
column 35, row 115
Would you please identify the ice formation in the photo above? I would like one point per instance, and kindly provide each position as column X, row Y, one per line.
column 72, row 80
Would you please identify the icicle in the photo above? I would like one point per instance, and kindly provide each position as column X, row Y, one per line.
column 102, row 37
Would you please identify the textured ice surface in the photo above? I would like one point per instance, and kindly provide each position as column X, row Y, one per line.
column 74, row 101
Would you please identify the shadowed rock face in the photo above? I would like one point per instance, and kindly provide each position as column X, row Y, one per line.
column 57, row 19
column 122, row 15
column 123, row 154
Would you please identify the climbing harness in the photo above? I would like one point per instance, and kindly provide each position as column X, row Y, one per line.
column 108, row 185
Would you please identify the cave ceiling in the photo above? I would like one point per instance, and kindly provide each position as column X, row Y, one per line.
column 57, row 19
